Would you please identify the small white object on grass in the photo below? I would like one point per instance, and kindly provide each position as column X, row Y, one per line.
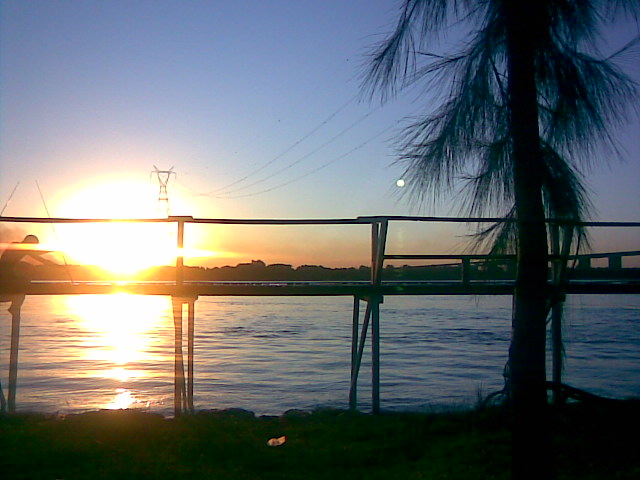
column 277, row 441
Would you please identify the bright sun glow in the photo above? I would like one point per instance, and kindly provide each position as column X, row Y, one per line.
column 112, row 198
column 122, row 248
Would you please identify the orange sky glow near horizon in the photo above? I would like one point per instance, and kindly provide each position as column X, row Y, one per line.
column 127, row 248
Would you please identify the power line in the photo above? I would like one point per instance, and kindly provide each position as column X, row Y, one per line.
column 301, row 159
column 287, row 150
column 315, row 170
column 223, row 192
column 55, row 233
column 9, row 199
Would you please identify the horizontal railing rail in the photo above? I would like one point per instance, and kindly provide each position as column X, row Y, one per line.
column 310, row 221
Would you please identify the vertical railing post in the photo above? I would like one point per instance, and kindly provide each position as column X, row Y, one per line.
column 378, row 244
column 180, row 256
column 615, row 262
column 466, row 271
column 379, row 240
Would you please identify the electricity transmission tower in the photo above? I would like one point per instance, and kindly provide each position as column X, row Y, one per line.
column 163, row 195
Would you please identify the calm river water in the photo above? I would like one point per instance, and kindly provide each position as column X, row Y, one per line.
column 272, row 354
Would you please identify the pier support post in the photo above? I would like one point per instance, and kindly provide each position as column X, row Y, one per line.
column 353, row 387
column 183, row 390
column 183, row 394
column 372, row 315
column 15, row 310
column 375, row 353
column 557, row 297
column 556, row 348
column 356, row 360
column 178, row 372
column 190, row 354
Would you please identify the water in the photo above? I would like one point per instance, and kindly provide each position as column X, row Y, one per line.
column 272, row 354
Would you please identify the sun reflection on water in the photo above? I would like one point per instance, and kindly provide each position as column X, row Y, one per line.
column 123, row 374
column 125, row 399
column 123, row 337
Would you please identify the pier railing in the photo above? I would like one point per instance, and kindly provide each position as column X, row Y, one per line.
column 378, row 256
column 371, row 292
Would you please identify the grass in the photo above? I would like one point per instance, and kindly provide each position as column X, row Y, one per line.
column 589, row 443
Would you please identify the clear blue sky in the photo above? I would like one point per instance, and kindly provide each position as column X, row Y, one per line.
column 254, row 101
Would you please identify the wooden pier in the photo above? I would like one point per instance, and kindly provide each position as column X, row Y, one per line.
column 184, row 294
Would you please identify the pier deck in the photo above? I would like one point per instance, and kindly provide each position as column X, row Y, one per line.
column 356, row 289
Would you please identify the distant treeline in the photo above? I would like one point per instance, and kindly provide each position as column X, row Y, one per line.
column 257, row 270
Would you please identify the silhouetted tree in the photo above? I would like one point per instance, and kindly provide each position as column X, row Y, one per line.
column 527, row 103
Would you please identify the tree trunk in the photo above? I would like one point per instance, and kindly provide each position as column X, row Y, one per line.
column 531, row 451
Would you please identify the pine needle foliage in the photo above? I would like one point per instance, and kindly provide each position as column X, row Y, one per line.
column 464, row 144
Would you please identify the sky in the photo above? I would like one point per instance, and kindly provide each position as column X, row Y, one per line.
column 257, row 108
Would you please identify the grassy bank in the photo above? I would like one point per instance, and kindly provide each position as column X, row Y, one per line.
column 590, row 443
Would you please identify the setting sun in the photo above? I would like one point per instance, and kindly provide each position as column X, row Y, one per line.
column 122, row 248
